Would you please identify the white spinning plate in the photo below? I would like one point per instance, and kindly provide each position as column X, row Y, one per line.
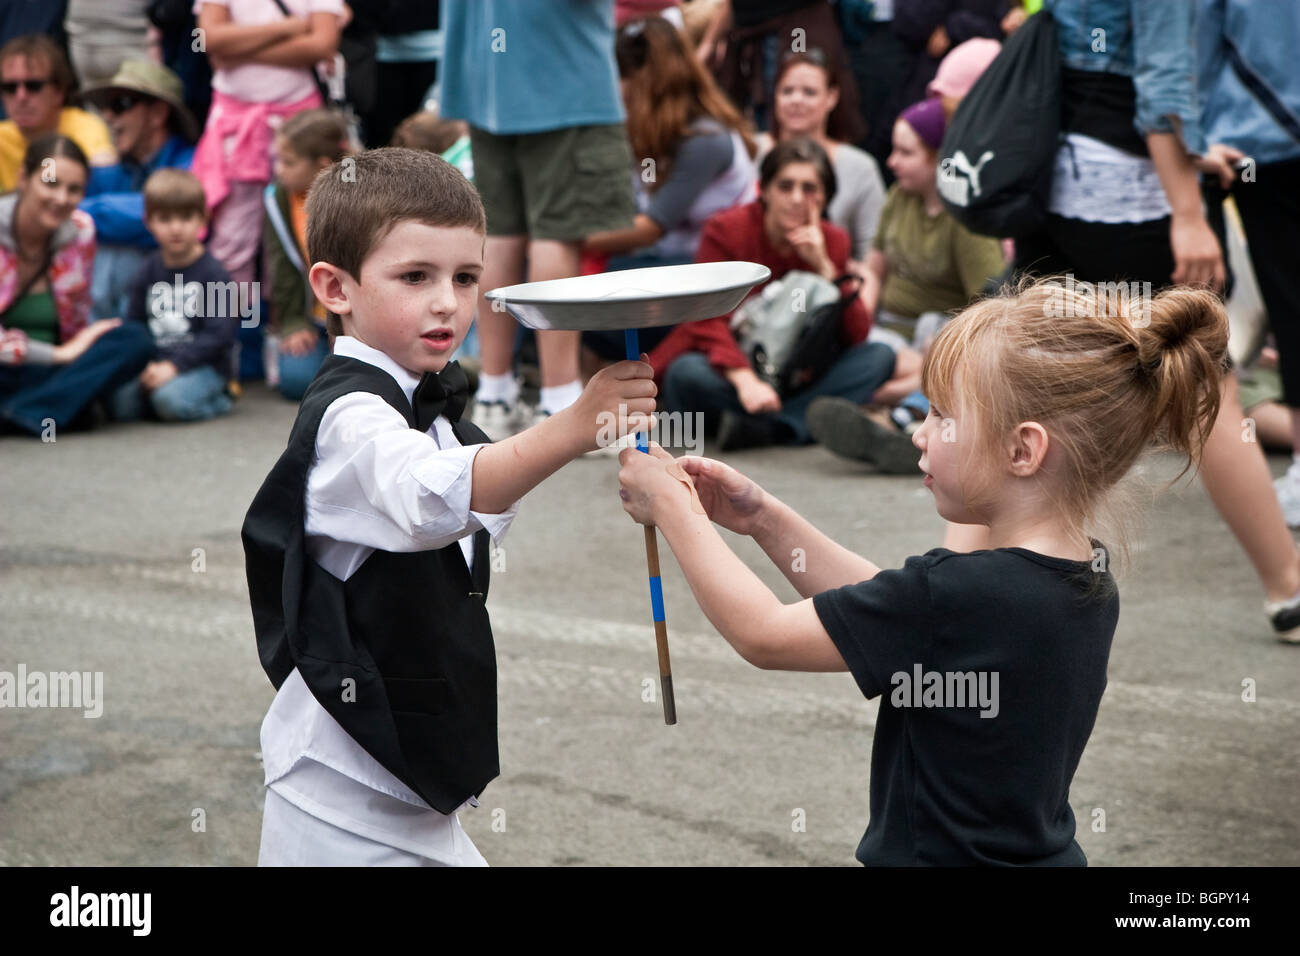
column 632, row 299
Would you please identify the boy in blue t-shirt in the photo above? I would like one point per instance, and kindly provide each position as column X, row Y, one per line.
column 191, row 306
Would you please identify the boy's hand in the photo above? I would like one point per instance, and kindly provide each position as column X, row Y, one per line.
column 653, row 483
column 157, row 374
column 728, row 497
column 619, row 399
column 300, row 342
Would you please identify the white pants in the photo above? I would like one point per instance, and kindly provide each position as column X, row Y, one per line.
column 293, row 837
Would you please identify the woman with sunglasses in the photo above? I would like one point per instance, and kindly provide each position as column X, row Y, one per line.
column 37, row 87
column 53, row 362
column 806, row 94
column 704, row 369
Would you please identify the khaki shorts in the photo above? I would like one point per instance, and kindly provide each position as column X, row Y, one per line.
column 560, row 184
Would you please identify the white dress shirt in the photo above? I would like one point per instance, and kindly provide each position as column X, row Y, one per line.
column 375, row 483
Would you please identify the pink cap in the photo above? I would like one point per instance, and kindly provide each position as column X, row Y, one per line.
column 963, row 65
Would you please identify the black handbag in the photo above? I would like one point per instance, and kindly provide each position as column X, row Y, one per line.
column 997, row 155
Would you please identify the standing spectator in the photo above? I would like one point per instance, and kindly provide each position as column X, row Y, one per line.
column 930, row 28
column 881, row 62
column 263, row 62
column 1250, row 105
column 805, row 99
column 53, row 364
column 1126, row 205
column 176, row 24
column 151, row 130
column 104, row 33
column 746, row 44
column 37, row 87
column 407, row 52
column 539, row 87
column 703, row 367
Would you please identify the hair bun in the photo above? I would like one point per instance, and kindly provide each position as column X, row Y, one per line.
column 1183, row 349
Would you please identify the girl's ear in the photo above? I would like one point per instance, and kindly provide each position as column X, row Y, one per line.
column 1028, row 448
column 834, row 95
column 327, row 284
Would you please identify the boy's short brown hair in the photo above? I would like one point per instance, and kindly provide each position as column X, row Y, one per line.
column 175, row 191
column 354, row 203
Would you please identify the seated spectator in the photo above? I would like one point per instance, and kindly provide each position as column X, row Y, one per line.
column 53, row 364
column 37, row 85
column 262, row 63
column 704, row 369
column 692, row 153
column 304, row 145
column 923, row 268
column 184, row 297
column 804, row 101
column 428, row 131
column 151, row 130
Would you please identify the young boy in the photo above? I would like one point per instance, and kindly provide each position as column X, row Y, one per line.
column 367, row 546
column 172, row 293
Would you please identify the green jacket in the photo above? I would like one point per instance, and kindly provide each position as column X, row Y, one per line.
column 291, row 296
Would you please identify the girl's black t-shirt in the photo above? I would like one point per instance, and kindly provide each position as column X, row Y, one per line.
column 990, row 666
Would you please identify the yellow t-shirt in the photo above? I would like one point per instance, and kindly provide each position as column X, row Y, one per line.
column 85, row 129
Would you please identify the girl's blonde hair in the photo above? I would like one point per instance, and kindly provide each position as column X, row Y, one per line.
column 1108, row 371
column 316, row 134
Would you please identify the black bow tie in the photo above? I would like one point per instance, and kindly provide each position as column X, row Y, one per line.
column 440, row 393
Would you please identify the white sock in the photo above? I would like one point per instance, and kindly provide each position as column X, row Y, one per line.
column 560, row 397
column 497, row 388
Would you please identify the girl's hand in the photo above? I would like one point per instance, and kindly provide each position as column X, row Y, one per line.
column 647, row 485
column 76, row 346
column 728, row 497
column 1198, row 260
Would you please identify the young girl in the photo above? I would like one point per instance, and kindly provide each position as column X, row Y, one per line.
column 992, row 663
column 304, row 145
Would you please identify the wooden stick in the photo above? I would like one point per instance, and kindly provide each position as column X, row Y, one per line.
column 652, row 564
column 661, row 625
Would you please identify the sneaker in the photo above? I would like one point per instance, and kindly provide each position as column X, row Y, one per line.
column 498, row 420
column 737, row 431
column 1285, row 618
column 1288, row 496
column 845, row 429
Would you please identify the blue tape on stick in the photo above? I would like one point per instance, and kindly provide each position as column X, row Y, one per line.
column 633, row 349
column 657, row 598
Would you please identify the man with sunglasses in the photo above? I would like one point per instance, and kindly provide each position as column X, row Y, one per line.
column 36, row 86
column 151, row 128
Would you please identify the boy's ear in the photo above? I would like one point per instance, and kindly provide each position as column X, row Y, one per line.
column 1028, row 448
column 327, row 285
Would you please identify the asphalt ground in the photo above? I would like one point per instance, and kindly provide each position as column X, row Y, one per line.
column 120, row 554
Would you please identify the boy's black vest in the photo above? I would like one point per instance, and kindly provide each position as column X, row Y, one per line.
column 401, row 654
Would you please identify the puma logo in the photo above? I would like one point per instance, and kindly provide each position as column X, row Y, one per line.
column 958, row 190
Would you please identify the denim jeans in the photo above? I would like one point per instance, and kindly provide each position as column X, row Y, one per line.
column 297, row 371
column 692, row 385
column 191, row 396
column 30, row 394
column 110, row 283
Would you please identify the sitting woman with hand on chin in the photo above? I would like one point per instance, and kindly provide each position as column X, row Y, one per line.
column 702, row 366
